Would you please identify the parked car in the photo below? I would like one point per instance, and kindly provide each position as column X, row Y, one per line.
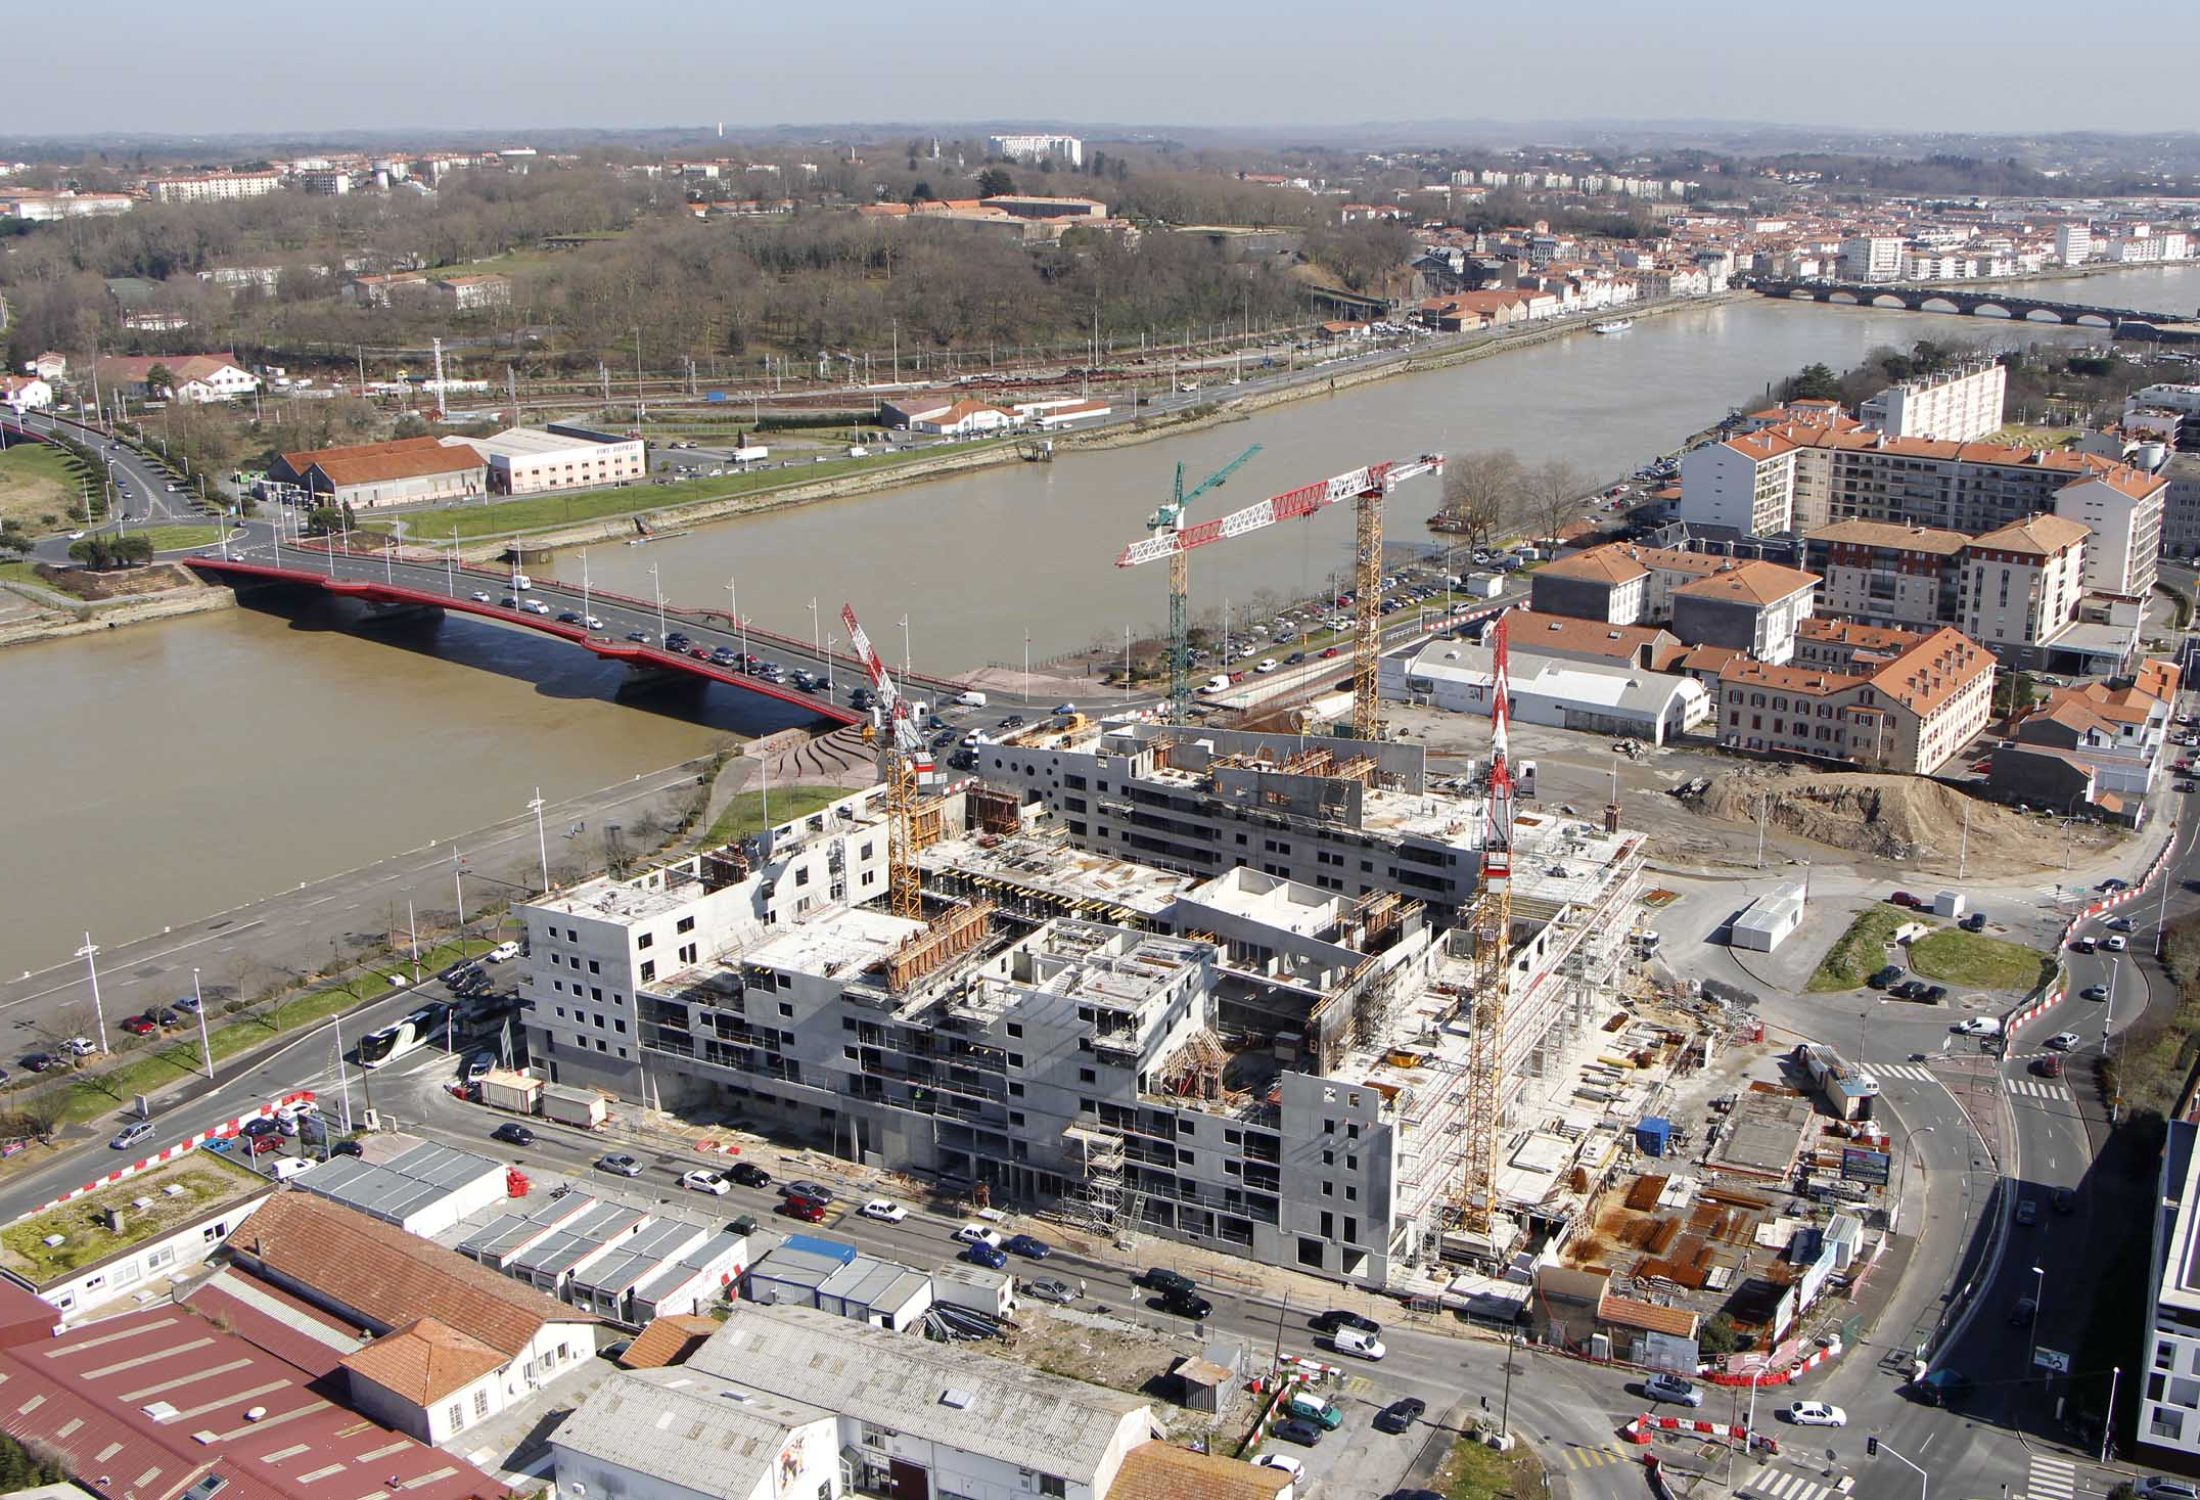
column 2155, row 1487
column 1157, row 1279
column 189, row 1005
column 808, row 1210
column 1299, row 1431
column 131, row 1134
column 1904, row 898
column 1672, row 1388
column 703, row 1180
column 512, row 1133
column 1050, row 1289
column 2022, row 1312
column 41, row 1062
column 1817, row 1414
column 619, row 1164
column 262, row 1144
column 1400, row 1415
column 140, row 1025
column 749, row 1174
column 1282, row 1463
column 978, row 1234
column 1186, row 1305
column 1029, row 1246
column 816, row 1192
column 1337, row 1317
column 884, row 1210
column 1884, row 978
column 984, row 1255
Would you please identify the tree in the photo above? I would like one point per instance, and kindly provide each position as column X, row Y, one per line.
column 1814, row 382
column 994, row 182
column 104, row 553
column 160, row 381
column 324, row 520
column 1482, row 493
column 1718, row 1335
column 1555, row 490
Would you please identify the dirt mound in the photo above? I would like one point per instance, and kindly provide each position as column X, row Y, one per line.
column 1903, row 818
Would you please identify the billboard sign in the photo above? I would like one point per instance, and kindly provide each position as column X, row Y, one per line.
column 1862, row 1164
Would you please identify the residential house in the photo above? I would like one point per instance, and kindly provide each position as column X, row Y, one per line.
column 2119, row 732
column 1749, row 605
column 193, row 379
column 1909, row 714
column 2022, row 584
column 21, row 393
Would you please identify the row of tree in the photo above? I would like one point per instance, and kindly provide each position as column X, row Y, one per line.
column 1491, row 495
column 103, row 552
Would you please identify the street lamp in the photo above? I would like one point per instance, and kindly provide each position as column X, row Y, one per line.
column 2039, row 1298
column 542, row 845
column 832, row 642
column 658, row 590
column 90, row 953
column 1922, row 1479
column 814, row 637
column 206, row 1048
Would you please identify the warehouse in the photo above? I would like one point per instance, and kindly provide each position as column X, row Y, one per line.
column 422, row 1187
column 407, row 471
column 1578, row 695
column 561, row 456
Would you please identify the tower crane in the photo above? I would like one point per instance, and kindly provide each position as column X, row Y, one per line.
column 1169, row 521
column 1172, row 539
column 1489, row 923
column 905, row 765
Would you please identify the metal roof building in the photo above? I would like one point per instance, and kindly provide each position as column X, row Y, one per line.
column 422, row 1187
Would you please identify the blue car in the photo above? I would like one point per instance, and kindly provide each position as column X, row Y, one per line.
column 985, row 1255
column 1029, row 1247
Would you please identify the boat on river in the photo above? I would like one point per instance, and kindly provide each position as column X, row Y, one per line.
column 1615, row 325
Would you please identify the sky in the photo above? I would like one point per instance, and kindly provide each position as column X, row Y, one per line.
column 256, row 66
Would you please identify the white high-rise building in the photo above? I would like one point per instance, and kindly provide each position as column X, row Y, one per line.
column 2073, row 242
column 1038, row 148
column 1875, row 257
column 1958, row 405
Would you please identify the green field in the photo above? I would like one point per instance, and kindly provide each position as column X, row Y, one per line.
column 1977, row 961
column 38, row 480
column 181, row 538
column 540, row 512
column 744, row 815
column 1859, row 951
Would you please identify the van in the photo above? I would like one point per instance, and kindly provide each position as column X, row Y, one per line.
column 971, row 699
column 1214, row 684
column 282, row 1169
column 1311, row 1408
column 1358, row 1342
column 521, row 583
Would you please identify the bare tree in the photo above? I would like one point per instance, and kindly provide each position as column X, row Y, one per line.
column 1482, row 493
column 1555, row 490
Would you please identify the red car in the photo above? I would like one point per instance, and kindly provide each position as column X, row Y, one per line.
column 1903, row 898
column 1330, row 651
column 262, row 1144
column 139, row 1026
column 808, row 1210
column 700, row 653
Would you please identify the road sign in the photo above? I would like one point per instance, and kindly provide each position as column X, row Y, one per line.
column 2052, row 1359
column 714, row 395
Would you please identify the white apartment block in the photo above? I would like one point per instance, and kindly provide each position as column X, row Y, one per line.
column 1745, row 483
column 533, row 460
column 2021, row 584
column 1038, row 148
column 1871, row 258
column 214, row 187
column 2122, row 508
column 2073, row 243
column 1961, row 404
column 2169, row 1363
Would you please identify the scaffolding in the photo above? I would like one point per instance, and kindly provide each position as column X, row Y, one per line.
column 1101, row 1150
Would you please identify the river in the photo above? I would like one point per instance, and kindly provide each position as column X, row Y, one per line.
column 171, row 770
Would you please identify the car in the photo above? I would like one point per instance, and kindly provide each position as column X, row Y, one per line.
column 1050, row 1289
column 536, row 607
column 1932, row 994
column 189, row 1005
column 1975, row 922
column 262, row 1144
column 80, row 1046
column 501, row 953
column 1282, row 1463
column 1336, row 1318
column 699, row 653
column 263, row 1125
column 2112, row 885
column 2094, row 992
column 1400, row 1415
column 1298, row 1430
column 1885, row 978
column 1156, row 1279
column 639, row 637
column 509, row 601
column 1329, row 651
column 816, row 1192
column 569, row 617
column 703, row 1180
column 140, row 1026
column 677, row 640
column 1674, row 1389
column 1294, row 658
column 749, row 1174
column 479, row 1065
column 1977, row 1026
column 619, row 1164
column 1267, row 664
column 2118, row 924
column 808, row 1210
column 989, row 1256
column 592, row 622
column 2116, row 944
column 1029, row 1246
column 885, row 1210
column 2065, row 1201
column 2062, row 1041
column 512, row 1133
column 1186, row 1305
column 2022, row 1312
column 1817, row 1414
column 131, row 1134
column 978, row 1234
column 1908, row 989
column 2085, row 944
column 2156, row 1487
column 743, row 1224
column 1064, row 710
column 2048, row 1066
column 1357, row 1344
column 724, row 656
column 479, row 596
column 1903, row 898
column 41, row 1062
column 2028, row 1211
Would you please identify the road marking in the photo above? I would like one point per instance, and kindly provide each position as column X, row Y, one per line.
column 1579, row 1457
column 1783, row 1484
column 1904, row 1070
column 2051, row 1479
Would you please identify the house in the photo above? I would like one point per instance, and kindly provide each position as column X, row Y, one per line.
column 1569, row 639
column 49, row 367
column 466, row 293
column 682, row 1434
column 809, row 1271
column 21, row 393
column 966, row 418
column 192, row 379
column 2121, row 509
column 1750, row 605
column 2118, row 732
column 454, row 1343
column 1620, row 583
column 1911, row 713
column 907, row 410
column 668, row 1341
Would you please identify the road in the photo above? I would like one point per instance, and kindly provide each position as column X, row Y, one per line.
column 141, row 487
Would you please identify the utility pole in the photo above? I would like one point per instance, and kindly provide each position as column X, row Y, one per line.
column 542, row 847
column 90, row 954
column 206, row 1048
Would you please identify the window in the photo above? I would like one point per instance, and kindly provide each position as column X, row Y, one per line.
column 1016, row 1028
column 1087, row 1075
column 456, row 1416
column 481, row 1403
column 685, row 924
column 594, row 967
column 649, row 970
column 646, row 940
column 1052, row 1486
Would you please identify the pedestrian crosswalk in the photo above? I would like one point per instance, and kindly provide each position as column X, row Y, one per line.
column 2032, row 1088
column 2028, row 1088
column 1785, row 1484
column 2051, row 1478
column 1903, row 1070
column 1579, row 1456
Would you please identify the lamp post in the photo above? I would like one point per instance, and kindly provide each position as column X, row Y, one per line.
column 831, row 643
column 90, row 954
column 658, row 589
column 2108, row 1421
column 2039, row 1297
column 586, row 616
column 206, row 1048
column 1923, row 1479
column 815, row 639
column 542, row 844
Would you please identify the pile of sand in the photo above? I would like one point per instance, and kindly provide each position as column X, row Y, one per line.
column 1909, row 819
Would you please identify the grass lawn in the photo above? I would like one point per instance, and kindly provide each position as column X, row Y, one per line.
column 38, row 480
column 178, row 538
column 536, row 512
column 1983, row 963
column 1472, row 1471
column 745, row 813
column 1859, row 951
column 23, row 572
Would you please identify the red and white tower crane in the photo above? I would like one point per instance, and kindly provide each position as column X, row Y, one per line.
column 905, row 765
column 1489, row 923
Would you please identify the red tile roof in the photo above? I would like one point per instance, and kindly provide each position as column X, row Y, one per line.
column 424, row 1361
column 305, row 459
column 1750, row 582
column 667, row 1341
column 1162, row 1471
column 2042, row 535
column 377, row 468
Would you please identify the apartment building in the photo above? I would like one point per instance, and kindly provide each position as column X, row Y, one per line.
column 2022, row 584
column 2169, row 1359
column 1744, row 484
column 1962, row 404
column 1038, row 148
column 1910, row 713
column 2073, row 242
column 2121, row 509
column 1620, row 583
column 2181, row 506
column 1748, row 606
column 1871, row 258
column 214, row 187
column 1882, row 573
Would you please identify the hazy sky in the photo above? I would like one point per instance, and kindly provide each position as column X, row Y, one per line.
column 88, row 66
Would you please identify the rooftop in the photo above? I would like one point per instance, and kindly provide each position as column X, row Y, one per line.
column 2041, row 536
column 423, row 1362
column 1017, row 863
column 1891, row 535
column 530, row 442
column 1162, row 1471
column 702, row 1432
column 112, row 1220
column 835, row 942
column 399, row 1185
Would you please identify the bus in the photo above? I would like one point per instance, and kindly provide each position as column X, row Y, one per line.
column 425, row 1026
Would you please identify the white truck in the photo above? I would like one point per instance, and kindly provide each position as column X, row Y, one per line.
column 754, row 454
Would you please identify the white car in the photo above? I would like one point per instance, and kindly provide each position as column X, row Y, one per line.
column 1267, row 664
column 978, row 1234
column 1283, row 1463
column 79, row 1046
column 480, row 597
column 2116, row 944
column 2061, row 1041
column 1817, row 1414
column 501, row 953
column 703, row 1180
column 884, row 1210
column 1977, row 1026
column 592, row 622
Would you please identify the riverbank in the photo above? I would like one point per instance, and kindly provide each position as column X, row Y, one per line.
column 917, row 471
column 58, row 617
